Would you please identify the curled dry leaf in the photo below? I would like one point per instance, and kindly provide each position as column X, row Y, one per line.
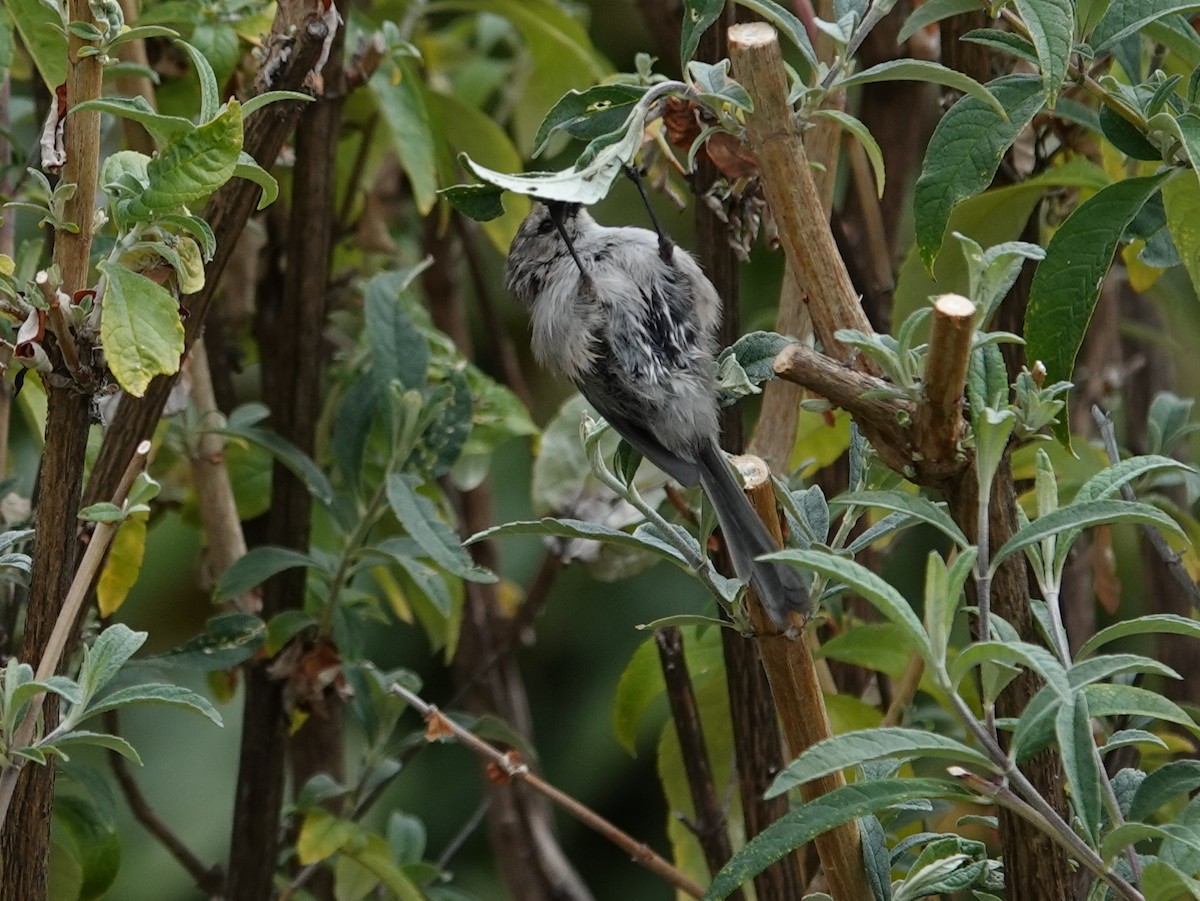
column 686, row 120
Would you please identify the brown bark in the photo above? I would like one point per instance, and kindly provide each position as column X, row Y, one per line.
column 289, row 332
column 708, row 820
column 25, row 842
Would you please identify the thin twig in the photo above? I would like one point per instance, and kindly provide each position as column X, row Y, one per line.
column 511, row 767
column 208, row 879
column 58, row 325
column 1170, row 559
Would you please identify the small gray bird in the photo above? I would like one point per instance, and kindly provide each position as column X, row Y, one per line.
column 632, row 321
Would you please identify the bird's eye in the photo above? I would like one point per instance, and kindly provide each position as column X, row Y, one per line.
column 545, row 226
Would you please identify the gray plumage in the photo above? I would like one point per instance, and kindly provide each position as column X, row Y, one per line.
column 637, row 334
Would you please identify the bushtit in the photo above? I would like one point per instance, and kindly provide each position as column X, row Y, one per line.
column 632, row 321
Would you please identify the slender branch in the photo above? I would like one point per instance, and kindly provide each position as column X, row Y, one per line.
column 1170, row 559
column 870, row 400
column 208, row 879
column 709, row 823
column 909, row 682
column 65, row 624
column 510, row 767
column 214, row 491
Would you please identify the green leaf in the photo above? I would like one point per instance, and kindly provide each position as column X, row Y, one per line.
column 860, row 131
column 1165, row 623
column 399, row 350
column 479, row 202
column 914, row 505
column 255, row 567
column 81, row 737
column 258, row 101
column 1163, row 882
column 934, row 73
column 943, row 587
column 418, row 515
column 931, row 12
column 1073, row 727
column 806, row 821
column 192, row 166
column 227, row 640
column 169, row 695
column 322, row 835
column 886, row 599
column 295, row 460
column 1125, row 737
column 210, row 92
column 852, row 748
column 1067, row 282
column 107, row 654
column 875, row 646
column 248, row 168
column 1172, row 779
column 91, row 838
column 1109, row 480
column 1083, row 516
column 1125, row 136
column 139, row 328
column 1004, row 42
column 164, row 129
column 588, row 114
column 964, row 152
column 1124, row 17
column 40, row 27
column 400, row 95
column 1181, row 198
column 1107, row 666
column 1051, row 25
column 576, row 528
column 698, row 16
column 1014, row 653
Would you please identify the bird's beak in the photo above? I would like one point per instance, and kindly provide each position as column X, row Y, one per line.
column 561, row 212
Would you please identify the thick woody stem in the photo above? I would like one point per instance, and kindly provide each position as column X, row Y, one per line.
column 792, row 673
column 790, row 189
column 939, row 422
column 870, row 400
column 509, row 766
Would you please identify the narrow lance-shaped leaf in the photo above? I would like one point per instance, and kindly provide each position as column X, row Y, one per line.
column 1124, row 17
column 255, row 567
column 1067, row 282
column 1082, row 516
column 965, row 151
column 1073, row 728
column 886, row 599
column 1051, row 25
column 804, row 822
column 400, row 95
column 932, row 12
column 935, row 73
column 698, row 15
column 1167, row 623
column 840, row 751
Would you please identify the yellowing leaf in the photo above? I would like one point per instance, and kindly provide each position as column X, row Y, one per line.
column 124, row 564
column 1141, row 276
column 322, row 835
column 139, row 328
column 191, row 279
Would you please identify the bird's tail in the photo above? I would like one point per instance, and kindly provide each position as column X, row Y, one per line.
column 779, row 586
